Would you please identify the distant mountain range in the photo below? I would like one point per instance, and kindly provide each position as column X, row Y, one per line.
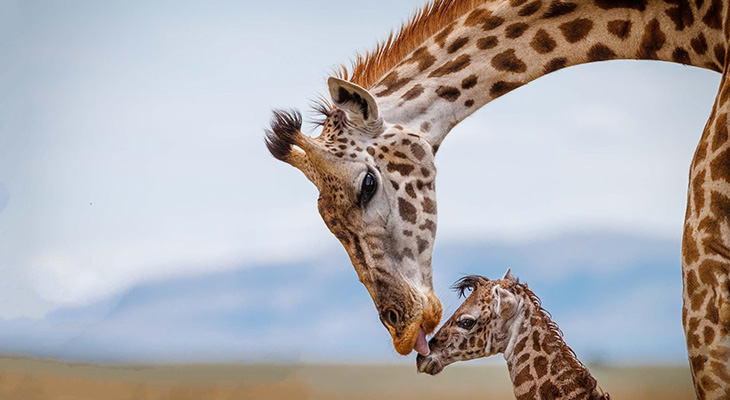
column 616, row 296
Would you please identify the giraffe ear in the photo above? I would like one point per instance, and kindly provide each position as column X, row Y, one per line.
column 510, row 277
column 506, row 302
column 356, row 101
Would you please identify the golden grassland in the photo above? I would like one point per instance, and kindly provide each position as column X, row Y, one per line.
column 31, row 379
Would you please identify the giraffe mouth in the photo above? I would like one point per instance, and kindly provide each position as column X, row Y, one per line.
column 421, row 345
column 429, row 365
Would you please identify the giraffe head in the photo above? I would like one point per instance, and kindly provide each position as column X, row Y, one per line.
column 376, row 195
column 480, row 327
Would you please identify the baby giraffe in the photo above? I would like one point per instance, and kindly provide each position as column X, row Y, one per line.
column 505, row 316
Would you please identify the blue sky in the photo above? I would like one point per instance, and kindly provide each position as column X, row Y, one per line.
column 131, row 145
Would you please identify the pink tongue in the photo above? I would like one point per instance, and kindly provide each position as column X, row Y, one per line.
column 421, row 344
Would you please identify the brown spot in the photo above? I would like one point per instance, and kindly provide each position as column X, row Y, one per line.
column 611, row 4
column 721, row 133
column 403, row 169
column 395, row 185
column 681, row 56
column 507, row 61
column 422, row 244
column 692, row 283
column 522, row 376
column 600, row 52
column 520, row 345
column 425, row 172
column 721, row 353
column 370, row 150
column 559, row 8
column 542, row 42
column 709, row 335
column 530, row 9
column 400, row 154
column 484, row 18
column 720, row 54
column 425, row 127
column 516, row 3
column 652, row 40
column 680, row 14
column 469, row 82
column 712, row 18
column 708, row 272
column 720, row 169
column 541, row 366
column 410, row 191
column 698, row 192
column 536, row 341
column 413, row 92
column 422, row 57
column 457, row 44
column 452, row 66
column 441, row 37
column 407, row 211
column 620, row 28
column 708, row 384
column 699, row 44
column 698, row 363
column 429, row 206
column 449, row 93
column 392, row 83
column 418, row 151
column 555, row 64
column 515, row 30
column 486, row 43
column 576, row 30
column 721, row 371
column 428, row 226
column 503, row 87
column 469, row 103
column 548, row 390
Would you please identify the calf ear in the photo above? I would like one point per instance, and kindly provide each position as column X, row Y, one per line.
column 506, row 302
column 356, row 101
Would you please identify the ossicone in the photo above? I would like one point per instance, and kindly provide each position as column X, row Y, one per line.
column 470, row 282
column 284, row 133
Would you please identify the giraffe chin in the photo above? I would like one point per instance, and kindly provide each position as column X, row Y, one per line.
column 413, row 339
column 414, row 336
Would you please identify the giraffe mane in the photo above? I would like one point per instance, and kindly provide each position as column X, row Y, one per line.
column 367, row 68
column 557, row 335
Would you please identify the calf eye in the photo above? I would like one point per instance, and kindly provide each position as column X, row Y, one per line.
column 466, row 322
column 367, row 190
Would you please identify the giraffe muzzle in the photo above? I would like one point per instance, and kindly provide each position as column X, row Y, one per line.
column 429, row 365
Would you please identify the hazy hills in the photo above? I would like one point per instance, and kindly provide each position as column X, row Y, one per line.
column 617, row 297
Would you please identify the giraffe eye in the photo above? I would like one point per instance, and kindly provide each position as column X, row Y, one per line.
column 369, row 185
column 391, row 318
column 466, row 323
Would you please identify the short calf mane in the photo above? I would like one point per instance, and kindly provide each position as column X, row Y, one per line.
column 557, row 334
column 369, row 67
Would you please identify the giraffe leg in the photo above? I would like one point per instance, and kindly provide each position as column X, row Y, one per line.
column 706, row 257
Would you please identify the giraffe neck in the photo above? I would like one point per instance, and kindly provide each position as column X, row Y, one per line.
column 501, row 45
column 541, row 365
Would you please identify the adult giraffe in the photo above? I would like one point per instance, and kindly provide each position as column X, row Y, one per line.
column 373, row 162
